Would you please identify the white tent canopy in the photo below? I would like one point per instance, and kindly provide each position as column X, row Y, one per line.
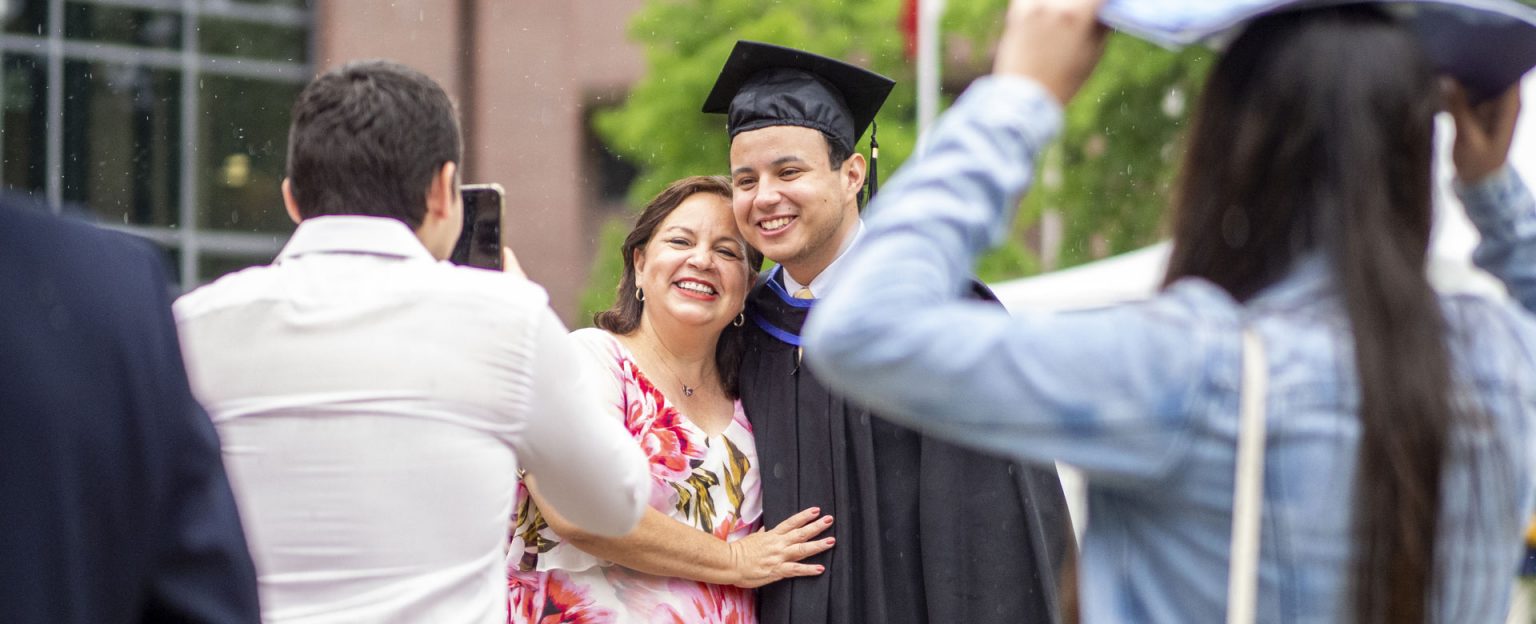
column 1136, row 275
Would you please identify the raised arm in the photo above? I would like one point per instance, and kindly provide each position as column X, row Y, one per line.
column 899, row 339
column 1496, row 199
column 665, row 547
column 589, row 465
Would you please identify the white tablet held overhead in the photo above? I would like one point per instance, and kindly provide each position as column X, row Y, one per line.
column 1485, row 44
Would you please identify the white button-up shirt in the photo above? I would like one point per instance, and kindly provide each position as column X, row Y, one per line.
column 827, row 280
column 375, row 406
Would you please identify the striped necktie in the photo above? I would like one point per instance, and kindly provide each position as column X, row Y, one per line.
column 803, row 293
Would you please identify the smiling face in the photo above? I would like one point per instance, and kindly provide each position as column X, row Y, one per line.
column 789, row 201
column 693, row 270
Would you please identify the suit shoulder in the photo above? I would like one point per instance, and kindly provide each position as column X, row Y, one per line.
column 76, row 255
column 44, row 234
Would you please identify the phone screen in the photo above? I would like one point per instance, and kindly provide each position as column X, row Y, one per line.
column 480, row 241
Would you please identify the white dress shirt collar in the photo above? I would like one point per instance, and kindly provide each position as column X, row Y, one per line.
column 355, row 234
column 826, row 282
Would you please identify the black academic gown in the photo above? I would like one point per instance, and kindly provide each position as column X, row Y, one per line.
column 926, row 531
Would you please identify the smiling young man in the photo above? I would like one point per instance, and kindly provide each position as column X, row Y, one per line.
column 926, row 531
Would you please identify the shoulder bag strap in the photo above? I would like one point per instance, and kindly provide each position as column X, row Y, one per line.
column 1248, row 499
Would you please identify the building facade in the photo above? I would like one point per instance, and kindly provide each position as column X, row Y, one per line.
column 168, row 118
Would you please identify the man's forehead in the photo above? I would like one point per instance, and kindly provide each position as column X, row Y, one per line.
column 777, row 144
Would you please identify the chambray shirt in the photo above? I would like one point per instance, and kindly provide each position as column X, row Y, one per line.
column 1144, row 397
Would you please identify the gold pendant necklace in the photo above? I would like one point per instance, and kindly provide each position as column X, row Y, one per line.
column 687, row 389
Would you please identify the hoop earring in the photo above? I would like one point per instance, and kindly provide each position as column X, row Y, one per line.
column 639, row 295
column 740, row 319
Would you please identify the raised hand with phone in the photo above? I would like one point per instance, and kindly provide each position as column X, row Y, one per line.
column 481, row 243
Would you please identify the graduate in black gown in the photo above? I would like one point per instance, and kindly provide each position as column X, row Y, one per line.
column 926, row 531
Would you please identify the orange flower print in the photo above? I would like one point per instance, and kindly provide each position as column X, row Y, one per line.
column 681, row 601
column 663, row 434
column 558, row 601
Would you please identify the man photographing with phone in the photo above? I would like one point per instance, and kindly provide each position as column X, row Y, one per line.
column 377, row 403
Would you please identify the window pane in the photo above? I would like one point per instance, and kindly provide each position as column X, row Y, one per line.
column 296, row 4
column 111, row 24
column 23, row 129
column 244, row 148
column 615, row 174
column 254, row 40
column 27, row 17
column 121, row 147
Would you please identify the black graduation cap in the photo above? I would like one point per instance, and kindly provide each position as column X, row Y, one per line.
column 763, row 85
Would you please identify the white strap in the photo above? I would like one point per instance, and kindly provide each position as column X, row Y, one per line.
column 1248, row 499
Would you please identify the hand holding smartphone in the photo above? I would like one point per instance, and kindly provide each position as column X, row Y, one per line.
column 480, row 243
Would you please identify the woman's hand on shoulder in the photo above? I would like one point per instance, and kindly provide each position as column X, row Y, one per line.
column 775, row 554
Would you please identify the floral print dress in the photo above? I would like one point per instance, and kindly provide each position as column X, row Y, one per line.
column 709, row 483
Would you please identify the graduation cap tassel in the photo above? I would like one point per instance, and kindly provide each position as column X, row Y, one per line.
column 874, row 161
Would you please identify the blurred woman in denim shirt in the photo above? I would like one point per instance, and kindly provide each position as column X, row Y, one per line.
column 1398, row 470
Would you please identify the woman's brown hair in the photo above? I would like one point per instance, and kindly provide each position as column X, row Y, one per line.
column 1315, row 135
column 623, row 317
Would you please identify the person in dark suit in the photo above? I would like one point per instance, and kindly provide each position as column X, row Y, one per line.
column 114, row 506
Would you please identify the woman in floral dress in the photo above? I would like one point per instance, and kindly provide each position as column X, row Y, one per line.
column 664, row 360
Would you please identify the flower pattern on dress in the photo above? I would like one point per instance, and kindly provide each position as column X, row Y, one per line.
column 554, row 599
column 708, row 482
column 681, row 601
column 669, row 442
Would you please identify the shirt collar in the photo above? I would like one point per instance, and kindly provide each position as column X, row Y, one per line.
column 1310, row 279
column 826, row 282
column 355, row 234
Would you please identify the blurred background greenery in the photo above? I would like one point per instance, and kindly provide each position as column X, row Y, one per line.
column 1101, row 189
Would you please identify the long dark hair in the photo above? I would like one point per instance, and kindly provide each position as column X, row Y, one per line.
column 1315, row 132
column 623, row 317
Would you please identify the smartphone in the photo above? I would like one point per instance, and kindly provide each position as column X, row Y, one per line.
column 480, row 241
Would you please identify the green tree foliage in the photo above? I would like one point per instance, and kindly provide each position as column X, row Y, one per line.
column 660, row 128
column 1108, row 177
column 1111, row 173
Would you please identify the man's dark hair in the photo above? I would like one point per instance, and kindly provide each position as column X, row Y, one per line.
column 836, row 153
column 367, row 138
